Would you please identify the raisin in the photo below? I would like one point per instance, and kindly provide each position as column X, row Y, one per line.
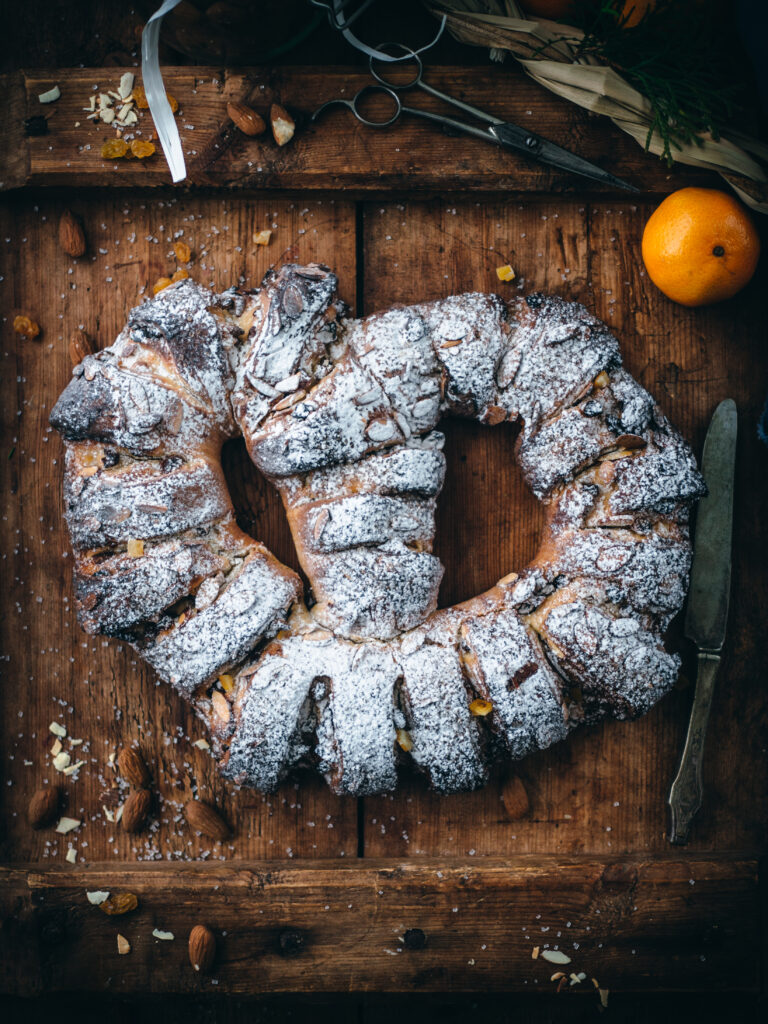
column 142, row 149
column 182, row 252
column 179, row 275
column 160, row 283
column 174, row 103
column 140, row 97
column 113, row 149
column 26, row 326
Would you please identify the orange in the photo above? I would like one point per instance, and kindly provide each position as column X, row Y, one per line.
column 700, row 246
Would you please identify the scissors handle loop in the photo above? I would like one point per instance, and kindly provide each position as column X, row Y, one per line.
column 406, row 56
column 355, row 105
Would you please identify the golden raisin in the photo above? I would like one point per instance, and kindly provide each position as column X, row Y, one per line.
column 179, row 275
column 120, row 903
column 480, row 708
column 140, row 97
column 227, row 682
column 113, row 149
column 160, row 283
column 142, row 149
column 183, row 252
column 174, row 103
column 26, row 326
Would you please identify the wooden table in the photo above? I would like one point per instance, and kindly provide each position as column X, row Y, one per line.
column 317, row 893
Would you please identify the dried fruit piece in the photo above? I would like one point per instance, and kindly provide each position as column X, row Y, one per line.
column 123, row 945
column 404, row 740
column 134, row 548
column 71, row 235
column 206, row 819
column 140, row 97
column 220, row 706
column 26, row 326
column 505, row 273
column 246, row 119
column 160, row 283
column 182, row 252
column 43, row 807
column 601, row 380
column 262, row 237
column 202, row 948
column 135, row 810
column 173, row 103
column 133, row 768
column 113, row 149
column 227, row 682
column 480, row 708
column 515, row 798
column 80, row 346
column 554, row 956
column 120, row 903
column 179, row 275
column 141, row 148
column 283, row 125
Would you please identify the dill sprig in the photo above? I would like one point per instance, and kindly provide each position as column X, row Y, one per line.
column 676, row 56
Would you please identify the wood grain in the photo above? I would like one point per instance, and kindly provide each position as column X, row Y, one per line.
column 335, row 153
column 339, row 927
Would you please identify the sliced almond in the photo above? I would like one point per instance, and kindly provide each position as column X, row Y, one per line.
column 123, row 945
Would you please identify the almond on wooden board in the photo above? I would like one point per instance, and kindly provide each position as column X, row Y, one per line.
column 71, row 235
column 43, row 807
column 515, row 798
column 283, row 125
column 246, row 119
column 202, row 948
column 135, row 810
column 206, row 819
column 80, row 346
column 133, row 767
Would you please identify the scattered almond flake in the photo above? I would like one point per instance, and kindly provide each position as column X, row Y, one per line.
column 119, row 813
column 202, row 744
column 557, row 976
column 262, row 237
column 107, row 813
column 575, row 979
column 554, row 956
column 67, row 825
column 75, row 743
column 603, row 993
column 74, row 768
column 91, row 103
column 130, row 117
column 28, row 764
column 56, row 748
column 61, row 761
column 165, row 936
column 107, row 116
column 123, row 945
column 50, row 96
column 57, row 730
column 126, row 85
column 581, row 976
column 104, row 101
column 97, row 896
column 111, row 759
column 535, row 953
column 71, row 857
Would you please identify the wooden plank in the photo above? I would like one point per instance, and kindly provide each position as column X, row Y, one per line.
column 97, row 688
column 604, row 791
column 337, row 152
column 677, row 924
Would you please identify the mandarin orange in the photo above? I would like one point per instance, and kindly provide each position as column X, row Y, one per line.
column 700, row 246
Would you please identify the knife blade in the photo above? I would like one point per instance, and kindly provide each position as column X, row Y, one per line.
column 707, row 610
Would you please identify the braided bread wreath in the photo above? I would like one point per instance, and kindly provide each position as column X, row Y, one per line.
column 340, row 415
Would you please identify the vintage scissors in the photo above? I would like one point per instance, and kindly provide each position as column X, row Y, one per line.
column 502, row 133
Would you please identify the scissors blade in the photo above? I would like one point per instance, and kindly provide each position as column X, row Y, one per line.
column 513, row 137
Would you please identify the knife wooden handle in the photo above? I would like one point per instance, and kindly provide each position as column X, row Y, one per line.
column 685, row 796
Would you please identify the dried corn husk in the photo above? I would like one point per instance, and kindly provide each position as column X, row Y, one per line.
column 545, row 50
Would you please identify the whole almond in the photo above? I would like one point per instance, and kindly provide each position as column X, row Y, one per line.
column 515, row 798
column 133, row 768
column 202, row 948
column 71, row 234
column 135, row 810
column 43, row 807
column 283, row 125
column 246, row 119
column 80, row 346
column 206, row 819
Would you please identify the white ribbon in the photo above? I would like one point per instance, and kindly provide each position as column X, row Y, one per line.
column 159, row 107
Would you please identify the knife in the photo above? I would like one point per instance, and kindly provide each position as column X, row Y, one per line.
column 707, row 611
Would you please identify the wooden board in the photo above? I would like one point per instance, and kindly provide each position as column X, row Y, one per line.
column 597, row 800
column 337, row 152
